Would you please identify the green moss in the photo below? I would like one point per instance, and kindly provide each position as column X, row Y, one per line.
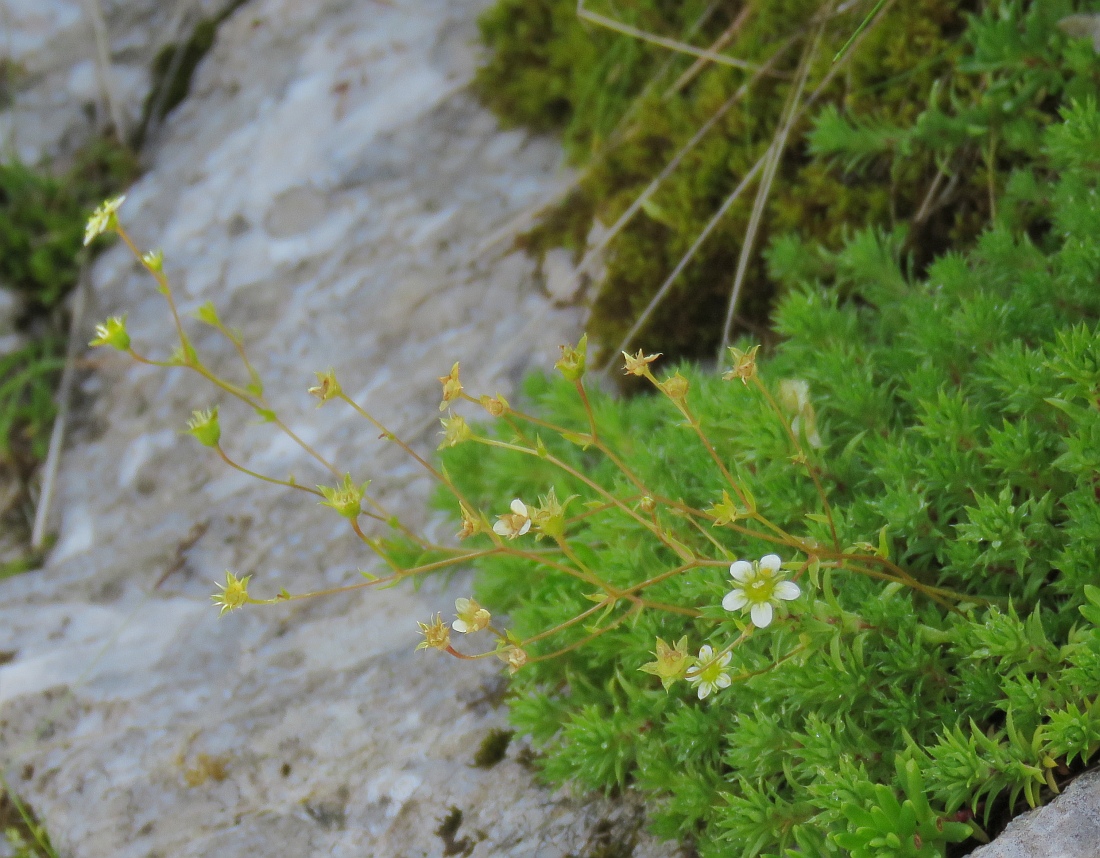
column 23, row 834
column 448, row 833
column 174, row 66
column 42, row 218
column 962, row 87
column 493, row 748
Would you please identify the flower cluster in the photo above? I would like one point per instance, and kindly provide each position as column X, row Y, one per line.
column 470, row 617
column 759, row 589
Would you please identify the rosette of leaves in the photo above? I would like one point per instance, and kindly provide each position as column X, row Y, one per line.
column 960, row 430
column 935, row 106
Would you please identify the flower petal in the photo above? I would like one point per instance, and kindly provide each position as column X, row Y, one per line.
column 526, row 527
column 761, row 614
column 704, row 690
column 460, row 626
column 723, row 680
column 724, row 660
column 735, row 600
column 518, row 507
column 787, row 590
column 705, row 652
column 501, row 528
column 741, row 570
column 771, row 562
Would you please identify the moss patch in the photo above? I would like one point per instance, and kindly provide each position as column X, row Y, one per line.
column 493, row 748
column 174, row 66
column 978, row 80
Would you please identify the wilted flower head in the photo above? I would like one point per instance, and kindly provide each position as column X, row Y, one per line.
column 744, row 364
column 452, row 387
column 103, row 219
column 639, row 363
column 112, row 333
column 760, row 587
column 672, row 662
column 436, row 634
column 327, row 387
column 709, row 673
column 471, row 524
column 471, row 617
column 513, row 524
column 234, row 592
column 514, row 656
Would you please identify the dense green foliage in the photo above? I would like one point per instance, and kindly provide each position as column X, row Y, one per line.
column 928, row 114
column 42, row 219
column 959, row 414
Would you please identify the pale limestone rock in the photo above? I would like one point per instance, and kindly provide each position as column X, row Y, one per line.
column 1068, row 827
column 59, row 94
column 330, row 186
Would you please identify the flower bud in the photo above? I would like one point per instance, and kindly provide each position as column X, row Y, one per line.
column 154, row 260
column 112, row 333
column 346, row 499
column 455, row 431
column 452, row 387
column 495, row 405
column 205, row 427
column 436, row 634
column 675, row 388
column 103, row 219
column 744, row 364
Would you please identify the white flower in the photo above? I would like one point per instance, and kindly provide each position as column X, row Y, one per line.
column 761, row 587
column 513, row 524
column 471, row 617
column 102, row 219
column 709, row 673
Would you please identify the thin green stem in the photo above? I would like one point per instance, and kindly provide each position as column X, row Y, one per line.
column 225, row 458
column 802, row 456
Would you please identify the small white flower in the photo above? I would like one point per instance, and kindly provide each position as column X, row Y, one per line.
column 513, row 524
column 102, row 219
column 760, row 588
column 471, row 617
column 708, row 673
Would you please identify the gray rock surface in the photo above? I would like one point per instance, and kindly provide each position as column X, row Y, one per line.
column 333, row 188
column 61, row 90
column 1068, row 827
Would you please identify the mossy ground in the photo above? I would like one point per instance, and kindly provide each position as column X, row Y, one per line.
column 42, row 215
column 623, row 111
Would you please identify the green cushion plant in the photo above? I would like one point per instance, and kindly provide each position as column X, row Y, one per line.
column 953, row 423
